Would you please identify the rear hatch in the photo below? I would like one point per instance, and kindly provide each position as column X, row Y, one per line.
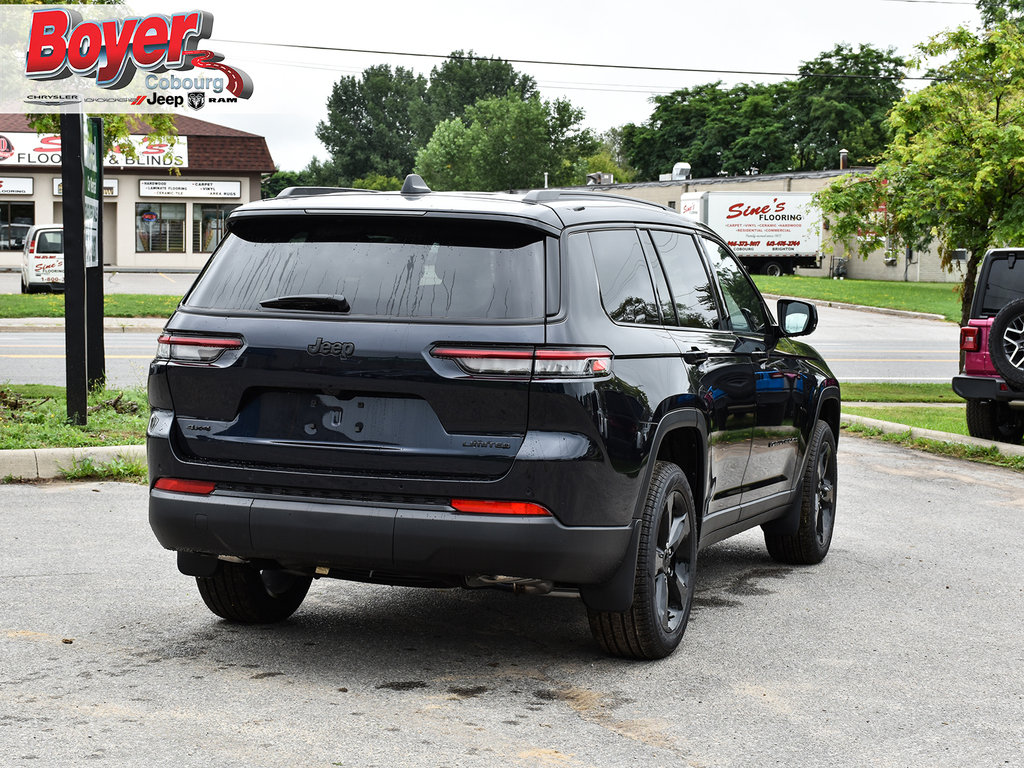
column 320, row 343
column 45, row 257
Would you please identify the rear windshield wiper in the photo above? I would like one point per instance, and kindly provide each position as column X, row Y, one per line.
column 313, row 302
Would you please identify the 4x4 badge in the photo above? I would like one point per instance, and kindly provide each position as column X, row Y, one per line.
column 342, row 349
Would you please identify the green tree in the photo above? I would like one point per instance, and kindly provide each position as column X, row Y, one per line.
column 994, row 12
column 840, row 101
column 508, row 143
column 461, row 81
column 369, row 127
column 954, row 170
column 706, row 126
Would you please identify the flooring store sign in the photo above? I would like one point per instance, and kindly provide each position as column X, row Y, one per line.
column 105, row 63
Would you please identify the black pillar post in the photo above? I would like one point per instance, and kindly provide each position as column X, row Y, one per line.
column 74, row 267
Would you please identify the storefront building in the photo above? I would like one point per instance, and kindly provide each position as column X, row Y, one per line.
column 163, row 209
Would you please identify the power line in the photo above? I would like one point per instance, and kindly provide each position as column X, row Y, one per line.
column 634, row 67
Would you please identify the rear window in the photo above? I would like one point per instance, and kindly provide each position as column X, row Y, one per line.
column 50, row 242
column 387, row 267
column 1005, row 284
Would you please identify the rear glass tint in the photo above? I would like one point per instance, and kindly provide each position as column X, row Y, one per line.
column 1004, row 285
column 394, row 267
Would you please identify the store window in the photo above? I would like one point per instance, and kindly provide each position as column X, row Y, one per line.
column 208, row 225
column 160, row 227
column 15, row 219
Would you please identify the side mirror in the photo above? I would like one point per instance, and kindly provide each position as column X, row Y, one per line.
column 797, row 318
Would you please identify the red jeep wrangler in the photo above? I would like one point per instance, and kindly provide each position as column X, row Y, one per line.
column 992, row 380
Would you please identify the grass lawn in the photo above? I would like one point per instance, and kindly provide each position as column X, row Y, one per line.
column 898, row 392
column 114, row 305
column 940, row 419
column 35, row 416
column 937, row 298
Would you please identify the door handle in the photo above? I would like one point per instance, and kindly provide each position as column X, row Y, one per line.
column 695, row 356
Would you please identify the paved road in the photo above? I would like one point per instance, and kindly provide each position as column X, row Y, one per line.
column 860, row 346
column 166, row 283
column 904, row 648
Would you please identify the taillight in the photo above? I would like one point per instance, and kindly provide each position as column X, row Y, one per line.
column 481, row 507
column 179, row 485
column 527, row 363
column 194, row 349
column 970, row 339
column 32, row 246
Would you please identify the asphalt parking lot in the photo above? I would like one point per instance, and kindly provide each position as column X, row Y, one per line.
column 902, row 649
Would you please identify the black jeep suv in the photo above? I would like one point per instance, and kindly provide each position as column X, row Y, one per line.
column 549, row 391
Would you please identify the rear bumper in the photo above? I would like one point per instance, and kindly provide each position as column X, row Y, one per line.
column 420, row 541
column 985, row 388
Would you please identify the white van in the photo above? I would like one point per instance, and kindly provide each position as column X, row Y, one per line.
column 42, row 260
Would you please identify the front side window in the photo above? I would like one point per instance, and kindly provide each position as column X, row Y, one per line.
column 383, row 267
column 742, row 301
column 160, row 227
column 626, row 289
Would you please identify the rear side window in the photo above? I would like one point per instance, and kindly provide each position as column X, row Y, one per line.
column 689, row 282
column 388, row 267
column 626, row 289
column 1005, row 284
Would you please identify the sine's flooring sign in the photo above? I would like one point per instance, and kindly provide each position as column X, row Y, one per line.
column 102, row 57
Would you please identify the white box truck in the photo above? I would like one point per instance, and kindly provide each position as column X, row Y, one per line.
column 770, row 232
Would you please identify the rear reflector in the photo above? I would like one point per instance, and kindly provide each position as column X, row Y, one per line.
column 970, row 339
column 498, row 507
column 535, row 363
column 203, row 487
column 194, row 349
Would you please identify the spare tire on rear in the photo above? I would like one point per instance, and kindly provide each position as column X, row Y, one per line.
column 1006, row 343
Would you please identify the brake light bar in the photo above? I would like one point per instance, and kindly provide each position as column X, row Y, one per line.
column 482, row 507
column 529, row 362
column 179, row 485
column 970, row 339
column 194, row 349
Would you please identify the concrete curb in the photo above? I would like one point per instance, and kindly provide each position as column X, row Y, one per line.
column 862, row 308
column 888, row 427
column 47, row 463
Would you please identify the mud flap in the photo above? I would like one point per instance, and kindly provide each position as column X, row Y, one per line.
column 616, row 594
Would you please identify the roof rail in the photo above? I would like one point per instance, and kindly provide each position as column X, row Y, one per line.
column 550, row 195
column 308, row 191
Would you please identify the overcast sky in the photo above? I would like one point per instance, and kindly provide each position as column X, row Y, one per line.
column 291, row 85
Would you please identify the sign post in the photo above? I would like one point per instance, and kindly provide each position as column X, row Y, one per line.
column 73, row 205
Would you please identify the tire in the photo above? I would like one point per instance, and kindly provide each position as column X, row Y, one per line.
column 993, row 420
column 1006, row 343
column 242, row 593
column 810, row 543
column 666, row 571
column 773, row 269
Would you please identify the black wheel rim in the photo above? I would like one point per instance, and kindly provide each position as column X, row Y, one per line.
column 825, row 493
column 674, row 566
column 1013, row 342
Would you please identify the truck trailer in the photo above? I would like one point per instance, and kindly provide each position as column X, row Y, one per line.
column 771, row 232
